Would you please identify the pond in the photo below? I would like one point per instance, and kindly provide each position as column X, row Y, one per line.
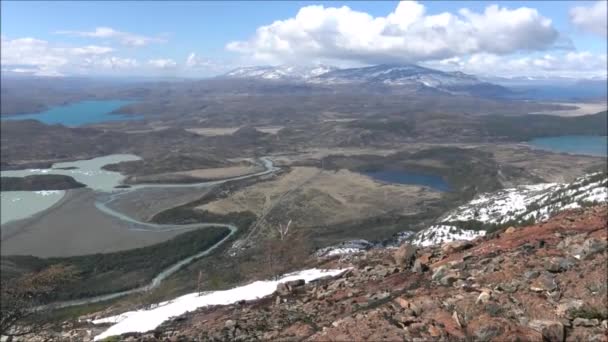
column 79, row 113
column 405, row 177
column 575, row 144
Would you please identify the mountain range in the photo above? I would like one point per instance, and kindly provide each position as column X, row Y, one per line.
column 401, row 76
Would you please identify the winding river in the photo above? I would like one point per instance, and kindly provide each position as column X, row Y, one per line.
column 102, row 204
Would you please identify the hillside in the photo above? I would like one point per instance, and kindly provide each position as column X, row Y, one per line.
column 512, row 207
column 523, row 284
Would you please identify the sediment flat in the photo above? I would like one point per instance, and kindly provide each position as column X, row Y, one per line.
column 74, row 226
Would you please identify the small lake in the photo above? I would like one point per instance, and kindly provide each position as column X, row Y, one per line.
column 414, row 178
column 79, row 113
column 575, row 144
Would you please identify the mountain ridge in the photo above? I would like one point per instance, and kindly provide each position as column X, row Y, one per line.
column 404, row 76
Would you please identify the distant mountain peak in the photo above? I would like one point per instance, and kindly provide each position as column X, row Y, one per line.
column 280, row 72
column 410, row 76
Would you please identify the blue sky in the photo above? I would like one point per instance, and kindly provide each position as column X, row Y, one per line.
column 138, row 33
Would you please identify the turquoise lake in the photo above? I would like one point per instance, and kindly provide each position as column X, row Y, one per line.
column 79, row 113
column 402, row 177
column 576, row 144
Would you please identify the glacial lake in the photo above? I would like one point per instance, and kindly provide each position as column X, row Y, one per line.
column 575, row 144
column 79, row 113
column 16, row 205
column 403, row 177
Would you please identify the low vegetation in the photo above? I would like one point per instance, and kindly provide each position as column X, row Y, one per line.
column 106, row 273
column 39, row 182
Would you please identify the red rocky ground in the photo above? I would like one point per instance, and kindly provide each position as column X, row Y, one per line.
column 546, row 282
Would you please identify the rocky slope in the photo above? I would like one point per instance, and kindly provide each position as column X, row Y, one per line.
column 541, row 282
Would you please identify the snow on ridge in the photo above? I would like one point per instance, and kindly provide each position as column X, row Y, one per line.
column 146, row 320
column 346, row 247
column 439, row 234
column 537, row 202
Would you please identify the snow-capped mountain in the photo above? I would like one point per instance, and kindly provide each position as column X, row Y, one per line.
column 280, row 73
column 405, row 76
column 527, row 203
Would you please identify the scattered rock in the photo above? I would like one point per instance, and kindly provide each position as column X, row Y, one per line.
column 510, row 230
column 578, row 322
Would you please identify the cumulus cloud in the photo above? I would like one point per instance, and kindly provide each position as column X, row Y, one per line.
column 407, row 34
column 125, row 38
column 111, row 62
column 591, row 18
column 194, row 61
column 571, row 64
column 162, row 63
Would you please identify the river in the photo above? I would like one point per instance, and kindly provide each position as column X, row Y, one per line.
column 108, row 194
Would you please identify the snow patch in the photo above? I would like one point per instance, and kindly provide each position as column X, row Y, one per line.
column 146, row 320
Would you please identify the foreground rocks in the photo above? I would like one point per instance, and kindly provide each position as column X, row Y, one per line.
column 546, row 282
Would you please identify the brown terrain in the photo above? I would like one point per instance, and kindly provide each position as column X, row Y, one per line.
column 545, row 282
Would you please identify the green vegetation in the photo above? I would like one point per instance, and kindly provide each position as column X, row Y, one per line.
column 39, row 182
column 590, row 313
column 106, row 273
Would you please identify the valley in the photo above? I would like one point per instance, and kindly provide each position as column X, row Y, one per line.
column 201, row 174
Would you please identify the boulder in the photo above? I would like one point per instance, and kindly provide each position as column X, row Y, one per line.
column 545, row 282
column 552, row 331
column 583, row 322
column 456, row 246
column 405, row 255
column 567, row 306
column 419, row 266
column 556, row 265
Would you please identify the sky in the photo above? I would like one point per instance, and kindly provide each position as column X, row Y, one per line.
column 206, row 38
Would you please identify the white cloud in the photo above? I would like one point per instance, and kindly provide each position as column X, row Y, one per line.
column 162, row 63
column 125, row 38
column 591, row 19
column 572, row 64
column 194, row 61
column 111, row 62
column 407, row 34
column 91, row 50
column 41, row 58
